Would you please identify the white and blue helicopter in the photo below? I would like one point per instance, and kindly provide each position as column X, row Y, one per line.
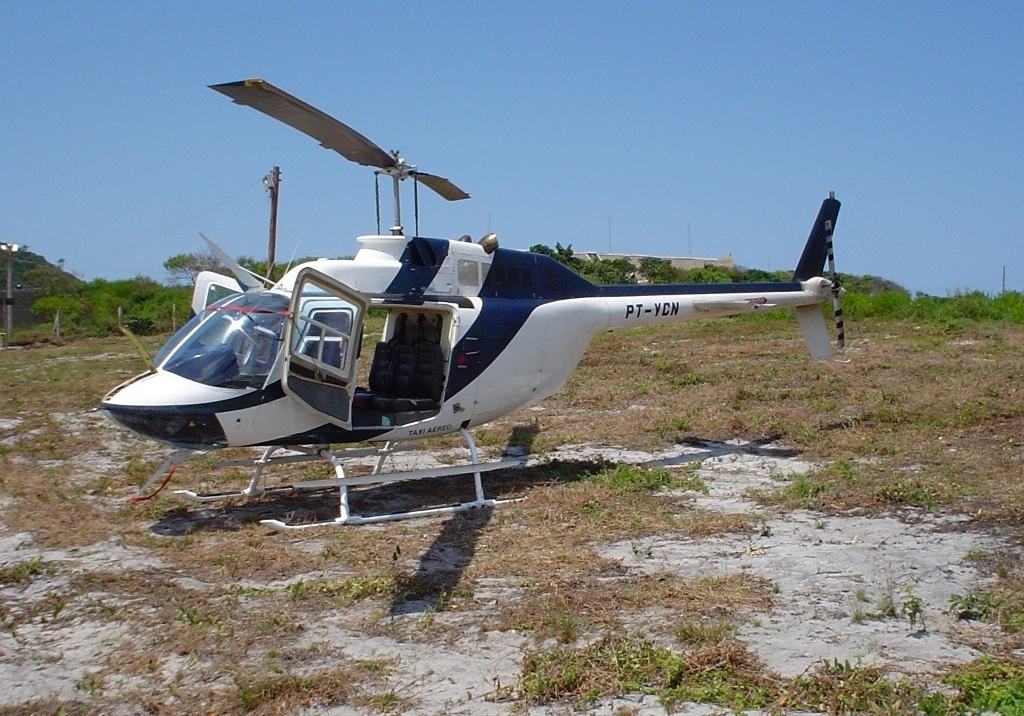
column 473, row 332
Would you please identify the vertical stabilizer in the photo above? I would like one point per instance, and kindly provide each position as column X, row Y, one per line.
column 812, row 260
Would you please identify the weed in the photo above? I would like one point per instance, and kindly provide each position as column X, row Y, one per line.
column 676, row 425
column 912, row 607
column 90, row 683
column 904, row 492
column 20, row 571
column 801, row 492
column 297, row 590
column 1006, row 610
column 291, row 692
column 990, row 686
column 842, row 688
column 627, row 477
column 439, row 604
column 724, row 673
column 564, row 628
column 347, row 590
column 860, row 613
column 191, row 616
column 388, row 701
column 973, row 605
column 702, row 632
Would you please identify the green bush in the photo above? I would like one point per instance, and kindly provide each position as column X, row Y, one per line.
column 90, row 308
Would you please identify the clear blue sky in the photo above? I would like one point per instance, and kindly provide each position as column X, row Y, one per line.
column 733, row 118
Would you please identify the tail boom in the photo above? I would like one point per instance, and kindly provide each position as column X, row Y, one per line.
column 652, row 309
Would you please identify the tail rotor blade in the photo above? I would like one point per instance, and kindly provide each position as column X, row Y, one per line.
column 837, row 307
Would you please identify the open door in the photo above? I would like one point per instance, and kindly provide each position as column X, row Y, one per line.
column 212, row 287
column 321, row 340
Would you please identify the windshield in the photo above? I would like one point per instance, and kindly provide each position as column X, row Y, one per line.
column 232, row 344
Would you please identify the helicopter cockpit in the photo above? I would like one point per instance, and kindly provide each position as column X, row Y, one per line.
column 231, row 344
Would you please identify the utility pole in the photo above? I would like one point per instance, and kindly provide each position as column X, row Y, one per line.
column 272, row 183
column 10, row 249
column 1004, row 278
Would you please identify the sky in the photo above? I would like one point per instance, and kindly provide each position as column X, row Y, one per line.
column 661, row 128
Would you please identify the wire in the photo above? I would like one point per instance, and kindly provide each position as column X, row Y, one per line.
column 204, row 212
column 142, row 498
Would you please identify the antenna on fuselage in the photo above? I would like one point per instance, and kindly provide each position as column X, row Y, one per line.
column 332, row 134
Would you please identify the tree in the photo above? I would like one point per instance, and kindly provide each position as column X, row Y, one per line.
column 563, row 255
column 50, row 279
column 657, row 270
column 707, row 274
column 609, row 271
column 183, row 268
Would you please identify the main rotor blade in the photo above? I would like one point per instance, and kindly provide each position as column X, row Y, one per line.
column 246, row 278
column 442, row 186
column 332, row 134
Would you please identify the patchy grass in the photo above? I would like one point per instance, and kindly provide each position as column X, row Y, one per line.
column 724, row 674
column 20, row 572
column 288, row 693
column 218, row 617
column 1000, row 602
column 986, row 685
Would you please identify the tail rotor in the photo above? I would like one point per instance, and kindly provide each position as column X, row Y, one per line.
column 837, row 290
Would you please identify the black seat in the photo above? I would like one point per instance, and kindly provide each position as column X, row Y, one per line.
column 406, row 377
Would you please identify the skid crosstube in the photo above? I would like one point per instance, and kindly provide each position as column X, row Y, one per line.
column 343, row 482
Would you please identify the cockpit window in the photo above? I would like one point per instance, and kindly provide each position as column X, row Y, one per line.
column 231, row 344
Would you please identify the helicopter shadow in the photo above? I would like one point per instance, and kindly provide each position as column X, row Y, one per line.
column 440, row 567
column 762, row 447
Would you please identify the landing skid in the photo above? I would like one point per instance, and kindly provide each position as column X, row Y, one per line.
column 343, row 482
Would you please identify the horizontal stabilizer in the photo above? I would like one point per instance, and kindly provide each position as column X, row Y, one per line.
column 812, row 325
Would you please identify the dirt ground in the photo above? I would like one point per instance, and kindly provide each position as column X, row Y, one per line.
column 172, row 607
column 825, row 567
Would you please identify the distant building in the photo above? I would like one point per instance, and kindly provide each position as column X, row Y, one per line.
column 680, row 262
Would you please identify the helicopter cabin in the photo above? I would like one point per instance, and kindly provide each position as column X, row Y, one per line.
column 407, row 374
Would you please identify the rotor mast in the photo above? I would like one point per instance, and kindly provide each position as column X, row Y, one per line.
column 398, row 173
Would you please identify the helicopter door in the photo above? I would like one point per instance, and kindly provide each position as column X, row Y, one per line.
column 321, row 340
column 212, row 287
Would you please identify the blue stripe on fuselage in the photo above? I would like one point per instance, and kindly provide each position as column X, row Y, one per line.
column 421, row 261
column 498, row 323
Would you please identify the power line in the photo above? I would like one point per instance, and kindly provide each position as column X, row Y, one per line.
column 103, row 257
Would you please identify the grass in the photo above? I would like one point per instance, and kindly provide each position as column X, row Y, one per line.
column 727, row 675
column 1000, row 602
column 291, row 692
column 704, row 631
column 20, row 572
column 219, row 599
column 986, row 685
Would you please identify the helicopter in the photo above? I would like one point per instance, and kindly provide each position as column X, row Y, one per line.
column 472, row 332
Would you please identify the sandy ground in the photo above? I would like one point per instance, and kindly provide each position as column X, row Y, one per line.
column 832, row 572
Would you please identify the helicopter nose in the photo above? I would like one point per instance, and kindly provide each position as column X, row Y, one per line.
column 171, row 409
